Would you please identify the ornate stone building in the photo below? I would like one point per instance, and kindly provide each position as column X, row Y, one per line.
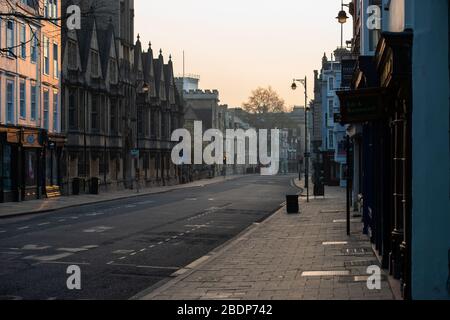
column 119, row 104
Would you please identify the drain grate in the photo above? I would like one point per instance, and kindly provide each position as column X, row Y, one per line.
column 356, row 252
column 359, row 278
column 361, row 263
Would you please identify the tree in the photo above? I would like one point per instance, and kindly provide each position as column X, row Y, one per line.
column 264, row 101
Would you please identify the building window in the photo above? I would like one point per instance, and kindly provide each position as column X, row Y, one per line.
column 10, row 41
column 46, row 56
column 331, row 84
column 147, row 123
column 112, row 70
column 10, row 101
column 46, row 108
column 331, row 108
column 23, row 41
column 34, row 43
column 113, row 119
column 55, row 111
column 33, row 102
column 72, row 54
column 94, row 113
column 22, row 97
column 330, row 139
column 94, row 64
column 73, row 115
column 55, row 61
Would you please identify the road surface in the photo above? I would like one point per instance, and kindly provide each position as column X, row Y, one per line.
column 126, row 246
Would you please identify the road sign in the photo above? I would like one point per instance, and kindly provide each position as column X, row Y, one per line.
column 135, row 153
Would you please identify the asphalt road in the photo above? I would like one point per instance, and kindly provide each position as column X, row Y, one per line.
column 126, row 246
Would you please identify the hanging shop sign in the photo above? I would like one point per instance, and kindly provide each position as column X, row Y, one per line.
column 363, row 105
column 30, row 139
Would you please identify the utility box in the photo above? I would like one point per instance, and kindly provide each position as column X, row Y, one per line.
column 292, row 205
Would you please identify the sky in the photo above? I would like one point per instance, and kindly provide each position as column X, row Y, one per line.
column 236, row 46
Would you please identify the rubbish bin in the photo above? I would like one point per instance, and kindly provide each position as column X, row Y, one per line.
column 292, row 206
column 76, row 182
column 94, row 185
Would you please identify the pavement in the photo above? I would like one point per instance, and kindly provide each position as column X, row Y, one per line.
column 12, row 209
column 125, row 246
column 286, row 257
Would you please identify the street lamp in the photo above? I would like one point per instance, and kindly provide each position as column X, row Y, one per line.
column 144, row 90
column 304, row 82
column 342, row 19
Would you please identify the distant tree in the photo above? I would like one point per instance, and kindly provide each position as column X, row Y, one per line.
column 264, row 100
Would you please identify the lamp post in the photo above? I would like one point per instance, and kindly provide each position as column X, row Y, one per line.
column 304, row 82
column 144, row 90
column 342, row 18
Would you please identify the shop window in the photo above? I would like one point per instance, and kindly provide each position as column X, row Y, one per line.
column 30, row 170
column 6, row 168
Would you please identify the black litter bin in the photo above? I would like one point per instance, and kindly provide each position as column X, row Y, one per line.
column 76, row 186
column 292, row 206
column 95, row 182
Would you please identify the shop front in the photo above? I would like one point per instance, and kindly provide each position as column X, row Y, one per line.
column 30, row 164
column 384, row 113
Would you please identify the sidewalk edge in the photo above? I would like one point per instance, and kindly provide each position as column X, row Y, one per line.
column 137, row 195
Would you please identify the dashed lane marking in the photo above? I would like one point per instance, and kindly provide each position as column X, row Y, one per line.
column 34, row 247
column 99, row 229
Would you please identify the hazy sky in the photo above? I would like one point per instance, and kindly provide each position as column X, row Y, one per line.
column 237, row 45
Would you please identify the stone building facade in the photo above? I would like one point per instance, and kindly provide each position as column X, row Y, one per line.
column 30, row 64
column 120, row 104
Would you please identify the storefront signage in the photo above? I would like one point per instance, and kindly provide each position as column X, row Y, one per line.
column 363, row 105
column 30, row 139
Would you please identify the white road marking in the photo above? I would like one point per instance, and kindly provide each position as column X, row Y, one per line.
column 130, row 206
column 49, row 258
column 62, row 220
column 23, row 228
column 152, row 246
column 160, row 243
column 2, row 231
column 44, row 224
column 66, row 263
column 121, row 252
column 99, row 229
column 94, row 214
column 33, row 247
column 142, row 250
column 122, row 258
column 133, row 254
column 190, row 199
column 72, row 250
column 110, row 263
